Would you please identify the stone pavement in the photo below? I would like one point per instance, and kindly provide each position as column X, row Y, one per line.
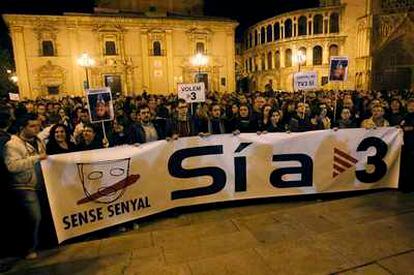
column 364, row 234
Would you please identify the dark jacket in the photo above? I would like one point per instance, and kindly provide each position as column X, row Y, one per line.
column 136, row 133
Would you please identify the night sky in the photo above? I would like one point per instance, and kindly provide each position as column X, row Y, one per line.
column 246, row 15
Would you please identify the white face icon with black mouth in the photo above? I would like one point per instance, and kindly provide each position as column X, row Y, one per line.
column 102, row 178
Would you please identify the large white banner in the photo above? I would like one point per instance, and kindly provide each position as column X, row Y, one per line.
column 96, row 189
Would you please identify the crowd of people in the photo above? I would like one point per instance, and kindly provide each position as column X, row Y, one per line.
column 30, row 130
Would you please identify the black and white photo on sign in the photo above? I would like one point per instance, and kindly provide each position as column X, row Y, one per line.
column 100, row 104
column 338, row 68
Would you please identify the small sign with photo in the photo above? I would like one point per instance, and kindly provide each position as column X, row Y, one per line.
column 338, row 68
column 100, row 104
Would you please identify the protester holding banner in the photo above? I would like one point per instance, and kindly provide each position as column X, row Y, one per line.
column 275, row 122
column 91, row 139
column 216, row 123
column 183, row 124
column 245, row 122
column 147, row 130
column 22, row 155
column 59, row 140
column 377, row 119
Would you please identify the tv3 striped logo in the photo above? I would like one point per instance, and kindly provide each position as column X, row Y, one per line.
column 343, row 161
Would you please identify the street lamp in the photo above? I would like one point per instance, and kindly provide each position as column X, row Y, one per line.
column 300, row 58
column 86, row 62
column 199, row 60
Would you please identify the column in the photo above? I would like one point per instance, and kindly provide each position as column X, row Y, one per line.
column 145, row 61
column 22, row 71
column 78, row 73
column 170, row 61
column 325, row 53
column 231, row 80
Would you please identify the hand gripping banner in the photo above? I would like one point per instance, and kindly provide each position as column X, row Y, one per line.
column 92, row 190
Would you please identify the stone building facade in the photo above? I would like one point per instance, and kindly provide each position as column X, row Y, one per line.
column 143, row 49
column 376, row 35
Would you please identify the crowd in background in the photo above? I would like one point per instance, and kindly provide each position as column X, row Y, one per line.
column 62, row 125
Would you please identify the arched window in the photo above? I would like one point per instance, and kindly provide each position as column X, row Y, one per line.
column 269, row 61
column 288, row 58
column 250, row 40
column 262, row 35
column 200, row 48
column 276, row 31
column 277, row 60
column 47, row 48
column 302, row 51
column 302, row 25
column 334, row 23
column 333, row 50
column 156, row 48
column 255, row 37
column 251, row 64
column 317, row 55
column 317, row 24
column 288, row 28
column 269, row 34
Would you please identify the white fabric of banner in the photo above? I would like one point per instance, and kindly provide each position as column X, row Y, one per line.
column 92, row 190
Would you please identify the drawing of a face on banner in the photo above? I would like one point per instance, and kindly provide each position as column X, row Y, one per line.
column 338, row 69
column 104, row 181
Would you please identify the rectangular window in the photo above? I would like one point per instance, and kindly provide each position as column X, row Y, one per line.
column 110, row 48
column 53, row 90
column 47, row 48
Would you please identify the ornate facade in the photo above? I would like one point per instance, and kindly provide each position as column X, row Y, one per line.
column 132, row 52
column 376, row 35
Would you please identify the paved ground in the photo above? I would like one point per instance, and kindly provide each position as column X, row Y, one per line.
column 364, row 234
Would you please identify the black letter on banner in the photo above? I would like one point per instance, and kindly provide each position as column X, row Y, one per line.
column 306, row 170
column 377, row 160
column 240, row 174
column 176, row 170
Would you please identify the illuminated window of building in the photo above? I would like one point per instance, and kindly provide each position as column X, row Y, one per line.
column 200, row 48
column 156, row 48
column 302, row 25
column 262, row 35
column 47, row 48
column 288, row 28
column 317, row 24
column 333, row 50
column 269, row 35
column 250, row 40
column 276, row 31
column 277, row 60
column 288, row 58
column 110, row 48
column 334, row 23
column 317, row 55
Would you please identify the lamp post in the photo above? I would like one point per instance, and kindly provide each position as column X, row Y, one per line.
column 300, row 59
column 86, row 62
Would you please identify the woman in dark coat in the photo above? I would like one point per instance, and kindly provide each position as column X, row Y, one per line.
column 59, row 140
